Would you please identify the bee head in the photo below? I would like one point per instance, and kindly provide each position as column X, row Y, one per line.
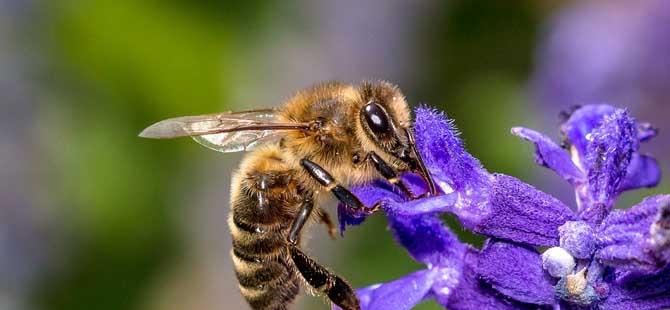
column 385, row 121
column 386, row 128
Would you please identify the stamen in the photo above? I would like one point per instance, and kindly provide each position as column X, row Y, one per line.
column 576, row 283
column 660, row 229
column 576, row 289
column 574, row 155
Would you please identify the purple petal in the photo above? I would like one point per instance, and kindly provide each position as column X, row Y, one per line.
column 401, row 294
column 471, row 293
column 415, row 183
column 447, row 281
column 369, row 194
column 427, row 240
column 393, row 203
column 643, row 171
column 645, row 132
column 649, row 292
column 608, row 152
column 379, row 190
column 347, row 217
column 637, row 239
column 521, row 213
column 550, row 155
column 440, row 203
column 517, row 272
column 451, row 166
column 582, row 121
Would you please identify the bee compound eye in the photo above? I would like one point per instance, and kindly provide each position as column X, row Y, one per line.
column 377, row 119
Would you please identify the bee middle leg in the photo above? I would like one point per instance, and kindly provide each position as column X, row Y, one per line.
column 340, row 192
column 317, row 276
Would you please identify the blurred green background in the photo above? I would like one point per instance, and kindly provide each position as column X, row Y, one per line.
column 93, row 217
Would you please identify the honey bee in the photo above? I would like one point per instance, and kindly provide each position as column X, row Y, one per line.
column 320, row 141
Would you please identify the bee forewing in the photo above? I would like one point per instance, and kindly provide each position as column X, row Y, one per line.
column 225, row 132
column 210, row 123
column 172, row 128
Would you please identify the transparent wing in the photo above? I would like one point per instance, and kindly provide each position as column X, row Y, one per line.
column 238, row 141
column 225, row 132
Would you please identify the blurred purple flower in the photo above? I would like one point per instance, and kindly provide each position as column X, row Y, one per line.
column 619, row 264
column 606, row 50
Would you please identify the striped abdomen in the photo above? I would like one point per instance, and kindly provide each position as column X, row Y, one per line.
column 266, row 275
column 263, row 204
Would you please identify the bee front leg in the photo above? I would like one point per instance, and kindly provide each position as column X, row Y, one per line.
column 317, row 276
column 390, row 174
column 340, row 192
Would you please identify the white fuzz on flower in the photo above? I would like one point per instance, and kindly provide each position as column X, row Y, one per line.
column 558, row 262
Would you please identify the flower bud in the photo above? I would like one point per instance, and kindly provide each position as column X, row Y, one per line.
column 558, row 262
column 577, row 238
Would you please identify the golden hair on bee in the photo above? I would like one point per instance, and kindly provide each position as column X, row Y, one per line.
column 320, row 141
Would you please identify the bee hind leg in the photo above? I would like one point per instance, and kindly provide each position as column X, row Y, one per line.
column 317, row 276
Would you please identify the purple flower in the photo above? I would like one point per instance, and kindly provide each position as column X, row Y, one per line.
column 597, row 257
column 603, row 158
column 450, row 275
